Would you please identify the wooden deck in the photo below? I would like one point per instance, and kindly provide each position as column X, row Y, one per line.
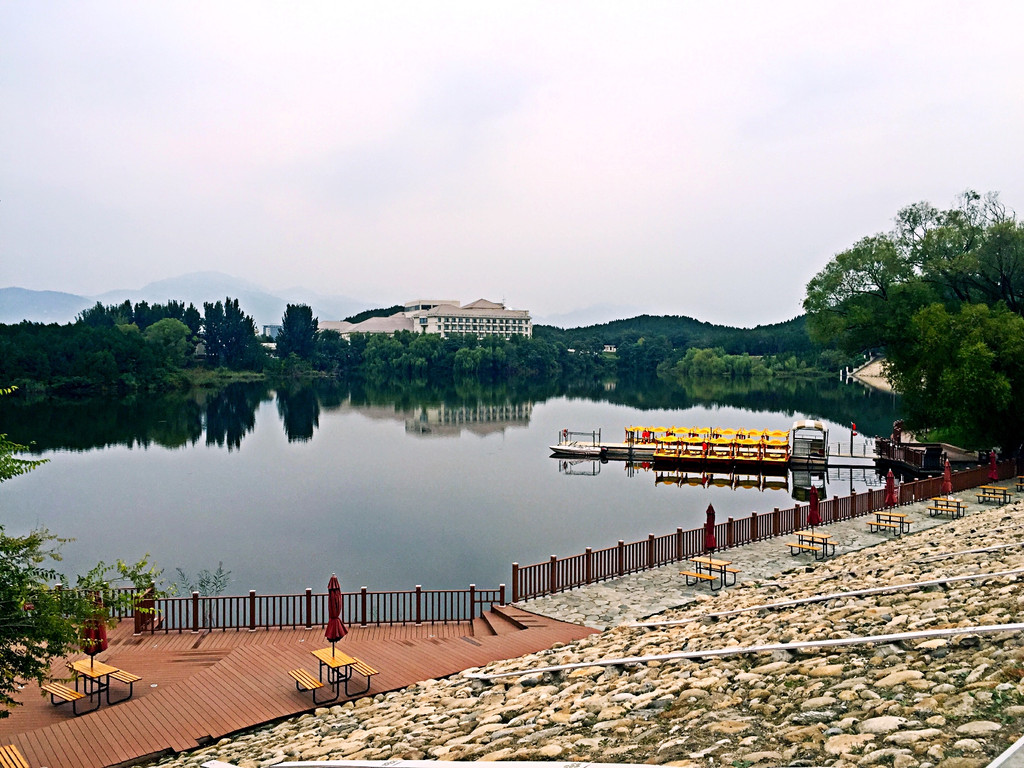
column 197, row 688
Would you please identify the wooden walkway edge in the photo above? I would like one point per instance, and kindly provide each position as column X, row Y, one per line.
column 197, row 688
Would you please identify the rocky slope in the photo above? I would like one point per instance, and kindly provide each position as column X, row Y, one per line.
column 943, row 703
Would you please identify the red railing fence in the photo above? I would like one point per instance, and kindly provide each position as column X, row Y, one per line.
column 561, row 574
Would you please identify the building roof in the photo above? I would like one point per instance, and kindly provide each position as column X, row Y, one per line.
column 397, row 322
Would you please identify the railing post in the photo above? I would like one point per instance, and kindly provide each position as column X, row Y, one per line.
column 622, row 558
column 195, row 611
column 553, row 575
column 853, row 503
column 252, row 610
column 730, row 533
column 419, row 604
column 362, row 606
column 309, row 607
column 472, row 602
column 679, row 544
column 588, row 566
column 501, row 594
column 776, row 522
column 753, row 526
column 515, row 582
column 650, row 550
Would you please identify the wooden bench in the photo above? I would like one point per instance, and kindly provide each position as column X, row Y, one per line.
column 304, row 681
column 124, row 677
column 363, row 669
column 795, row 546
column 692, row 577
column 11, row 757
column 992, row 496
column 874, row 525
column 65, row 694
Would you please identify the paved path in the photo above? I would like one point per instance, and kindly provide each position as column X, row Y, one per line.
column 637, row 596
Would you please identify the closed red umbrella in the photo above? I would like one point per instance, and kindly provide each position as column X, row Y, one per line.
column 335, row 627
column 814, row 516
column 709, row 530
column 947, row 480
column 993, row 472
column 94, row 634
column 890, row 490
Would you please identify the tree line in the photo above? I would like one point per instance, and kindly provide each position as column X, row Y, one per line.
column 130, row 347
column 941, row 295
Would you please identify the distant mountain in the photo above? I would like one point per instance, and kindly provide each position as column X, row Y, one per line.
column 266, row 308
column 17, row 304
column 596, row 314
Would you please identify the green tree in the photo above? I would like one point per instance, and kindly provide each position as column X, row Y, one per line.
column 171, row 337
column 942, row 294
column 298, row 332
column 39, row 623
column 230, row 336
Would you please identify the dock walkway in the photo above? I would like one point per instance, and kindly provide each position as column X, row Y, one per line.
column 197, row 688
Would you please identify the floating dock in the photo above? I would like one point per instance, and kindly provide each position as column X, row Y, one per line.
column 707, row 448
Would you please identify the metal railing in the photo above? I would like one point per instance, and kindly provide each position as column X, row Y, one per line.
column 195, row 612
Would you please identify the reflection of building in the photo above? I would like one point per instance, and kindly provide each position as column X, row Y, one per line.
column 450, row 420
column 444, row 317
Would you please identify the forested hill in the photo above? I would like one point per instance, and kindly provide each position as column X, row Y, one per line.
column 685, row 332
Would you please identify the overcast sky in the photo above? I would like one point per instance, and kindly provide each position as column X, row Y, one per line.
column 703, row 159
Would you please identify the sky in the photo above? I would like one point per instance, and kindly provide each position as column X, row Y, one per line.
column 702, row 159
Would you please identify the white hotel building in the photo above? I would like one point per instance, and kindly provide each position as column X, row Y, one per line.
column 444, row 318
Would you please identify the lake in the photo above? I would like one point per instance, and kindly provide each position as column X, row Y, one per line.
column 388, row 489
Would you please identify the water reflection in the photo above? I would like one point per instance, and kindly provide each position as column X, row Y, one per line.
column 231, row 414
column 444, row 420
column 227, row 416
column 299, row 409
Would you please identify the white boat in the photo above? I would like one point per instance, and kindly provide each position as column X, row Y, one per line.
column 576, row 450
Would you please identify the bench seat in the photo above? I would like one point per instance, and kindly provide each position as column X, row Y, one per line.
column 66, row 694
column 693, row 577
column 128, row 679
column 11, row 757
column 304, row 681
column 793, row 546
column 990, row 496
column 362, row 668
column 875, row 524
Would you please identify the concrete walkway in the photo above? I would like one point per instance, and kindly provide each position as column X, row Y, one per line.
column 640, row 595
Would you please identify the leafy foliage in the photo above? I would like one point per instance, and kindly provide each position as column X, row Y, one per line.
column 943, row 295
column 367, row 314
column 298, row 332
column 37, row 621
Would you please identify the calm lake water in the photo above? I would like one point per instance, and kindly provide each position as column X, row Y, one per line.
column 285, row 486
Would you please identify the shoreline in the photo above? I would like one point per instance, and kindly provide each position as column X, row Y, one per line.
column 942, row 703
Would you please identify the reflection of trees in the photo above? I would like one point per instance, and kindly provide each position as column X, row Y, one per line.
column 830, row 399
column 175, row 420
column 299, row 409
column 231, row 413
column 82, row 424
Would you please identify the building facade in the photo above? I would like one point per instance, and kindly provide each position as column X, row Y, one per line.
column 480, row 318
column 445, row 317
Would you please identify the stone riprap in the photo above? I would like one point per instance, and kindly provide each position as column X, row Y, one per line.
column 937, row 703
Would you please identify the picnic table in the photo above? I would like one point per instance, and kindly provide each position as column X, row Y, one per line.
column 818, row 544
column 950, row 505
column 995, row 493
column 894, row 522
column 710, row 570
column 1020, row 482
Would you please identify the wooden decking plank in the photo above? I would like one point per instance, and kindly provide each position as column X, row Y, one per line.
column 74, row 750
column 221, row 682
